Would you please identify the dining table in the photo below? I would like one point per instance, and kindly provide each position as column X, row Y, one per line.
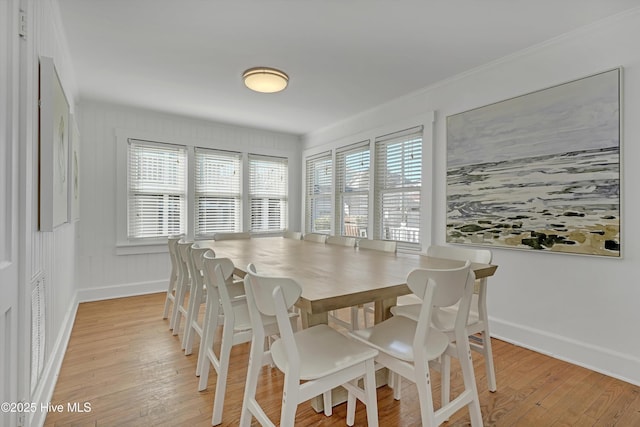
column 334, row 277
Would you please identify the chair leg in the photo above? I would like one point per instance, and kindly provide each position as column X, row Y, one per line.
column 445, row 378
column 327, row 404
column 371, row 394
column 395, row 382
column 223, row 372
column 253, row 371
column 488, row 361
column 351, row 405
column 192, row 315
column 170, row 295
column 177, row 314
column 469, row 379
column 208, row 332
column 289, row 401
column 423, row 383
column 167, row 303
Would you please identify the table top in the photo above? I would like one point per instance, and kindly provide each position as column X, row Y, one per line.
column 333, row 276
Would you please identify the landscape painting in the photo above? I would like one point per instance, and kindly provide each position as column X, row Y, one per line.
column 540, row 171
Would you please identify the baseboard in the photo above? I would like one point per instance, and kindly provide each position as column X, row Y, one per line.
column 121, row 291
column 44, row 390
column 622, row 366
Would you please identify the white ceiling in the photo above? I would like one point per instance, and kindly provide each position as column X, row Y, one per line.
column 343, row 56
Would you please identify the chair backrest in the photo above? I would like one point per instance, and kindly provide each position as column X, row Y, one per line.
column 217, row 274
column 269, row 297
column 341, row 241
column 231, row 236
column 315, row 237
column 197, row 251
column 203, row 244
column 378, row 245
column 183, row 258
column 483, row 256
column 295, row 235
column 450, row 282
column 441, row 288
column 172, row 243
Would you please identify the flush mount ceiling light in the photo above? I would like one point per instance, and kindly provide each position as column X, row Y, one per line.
column 265, row 79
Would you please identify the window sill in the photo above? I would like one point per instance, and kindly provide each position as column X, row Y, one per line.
column 129, row 248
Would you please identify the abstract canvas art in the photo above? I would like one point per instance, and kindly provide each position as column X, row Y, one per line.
column 54, row 148
column 539, row 171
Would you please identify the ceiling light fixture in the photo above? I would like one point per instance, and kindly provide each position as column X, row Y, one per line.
column 265, row 79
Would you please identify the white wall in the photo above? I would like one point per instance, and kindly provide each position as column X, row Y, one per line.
column 49, row 256
column 103, row 273
column 580, row 308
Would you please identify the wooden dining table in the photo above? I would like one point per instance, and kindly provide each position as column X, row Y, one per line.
column 334, row 277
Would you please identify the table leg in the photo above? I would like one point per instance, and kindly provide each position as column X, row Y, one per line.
column 309, row 319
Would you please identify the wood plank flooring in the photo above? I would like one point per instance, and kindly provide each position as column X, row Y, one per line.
column 123, row 361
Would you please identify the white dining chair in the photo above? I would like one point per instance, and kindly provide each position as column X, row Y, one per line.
column 444, row 319
column 313, row 360
column 232, row 236
column 341, row 241
column 389, row 246
column 315, row 237
column 407, row 347
column 172, row 243
column 199, row 294
column 183, row 286
column 295, row 235
column 236, row 327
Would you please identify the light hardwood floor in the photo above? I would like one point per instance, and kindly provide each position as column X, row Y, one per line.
column 124, row 362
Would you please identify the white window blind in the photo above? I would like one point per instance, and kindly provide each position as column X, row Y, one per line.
column 217, row 192
column 268, row 190
column 157, row 189
column 319, row 193
column 352, row 189
column 398, row 179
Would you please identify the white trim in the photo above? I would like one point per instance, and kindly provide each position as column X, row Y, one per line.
column 121, row 291
column 570, row 350
column 47, row 383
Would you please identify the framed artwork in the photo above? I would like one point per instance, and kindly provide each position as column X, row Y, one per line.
column 54, row 149
column 74, row 170
column 539, row 171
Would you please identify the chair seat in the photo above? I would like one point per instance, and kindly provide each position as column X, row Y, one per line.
column 323, row 351
column 443, row 318
column 395, row 337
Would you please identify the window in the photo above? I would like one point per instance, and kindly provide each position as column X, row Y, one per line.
column 217, row 192
column 157, row 189
column 268, row 184
column 398, row 180
column 352, row 189
column 319, row 194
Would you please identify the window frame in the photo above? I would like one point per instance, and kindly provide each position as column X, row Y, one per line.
column 223, row 158
column 271, row 194
column 311, row 196
column 125, row 246
column 405, row 142
column 316, row 147
column 359, row 228
column 179, row 189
